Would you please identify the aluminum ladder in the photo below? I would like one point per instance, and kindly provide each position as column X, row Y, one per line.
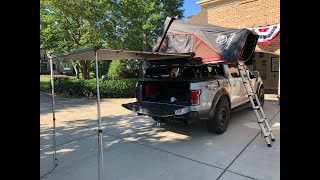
column 257, row 108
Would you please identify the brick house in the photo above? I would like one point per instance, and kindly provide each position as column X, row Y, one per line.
column 248, row 14
column 59, row 66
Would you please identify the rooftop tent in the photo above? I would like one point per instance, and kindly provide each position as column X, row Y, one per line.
column 209, row 42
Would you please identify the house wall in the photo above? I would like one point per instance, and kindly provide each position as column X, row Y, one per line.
column 201, row 17
column 248, row 14
column 59, row 67
column 244, row 13
column 267, row 65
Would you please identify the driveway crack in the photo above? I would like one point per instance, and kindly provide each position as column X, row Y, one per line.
column 243, row 151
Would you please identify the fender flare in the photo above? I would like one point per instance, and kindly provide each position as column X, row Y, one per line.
column 260, row 83
column 215, row 100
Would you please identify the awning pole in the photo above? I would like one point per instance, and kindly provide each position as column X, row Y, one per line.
column 100, row 134
column 53, row 112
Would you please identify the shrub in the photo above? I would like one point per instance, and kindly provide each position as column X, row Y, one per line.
column 115, row 69
column 123, row 69
column 108, row 88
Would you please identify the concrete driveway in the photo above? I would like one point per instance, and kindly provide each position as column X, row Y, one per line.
column 136, row 148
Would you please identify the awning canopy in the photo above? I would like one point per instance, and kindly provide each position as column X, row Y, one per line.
column 110, row 54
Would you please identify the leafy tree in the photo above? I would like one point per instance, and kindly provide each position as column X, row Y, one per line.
column 115, row 69
column 141, row 21
column 103, row 67
column 118, row 24
column 72, row 24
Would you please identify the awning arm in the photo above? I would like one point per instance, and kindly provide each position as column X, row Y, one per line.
column 53, row 110
column 76, row 51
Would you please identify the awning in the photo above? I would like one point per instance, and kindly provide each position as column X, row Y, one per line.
column 110, row 54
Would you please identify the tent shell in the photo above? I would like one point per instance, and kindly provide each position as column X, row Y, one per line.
column 209, row 42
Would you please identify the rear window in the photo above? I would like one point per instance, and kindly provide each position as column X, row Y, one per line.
column 204, row 71
column 234, row 71
column 216, row 70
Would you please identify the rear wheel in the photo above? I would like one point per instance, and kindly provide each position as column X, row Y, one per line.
column 219, row 122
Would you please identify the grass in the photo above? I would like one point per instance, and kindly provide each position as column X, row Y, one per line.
column 44, row 83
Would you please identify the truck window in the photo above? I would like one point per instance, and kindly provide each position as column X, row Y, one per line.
column 188, row 72
column 202, row 71
column 234, row 71
column 157, row 72
column 216, row 70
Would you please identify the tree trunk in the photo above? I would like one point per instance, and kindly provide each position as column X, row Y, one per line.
column 83, row 69
column 85, row 74
column 145, row 41
column 88, row 69
column 77, row 71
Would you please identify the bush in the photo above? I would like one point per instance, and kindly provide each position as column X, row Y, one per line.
column 115, row 69
column 108, row 88
column 123, row 69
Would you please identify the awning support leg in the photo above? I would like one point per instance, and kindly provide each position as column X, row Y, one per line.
column 100, row 134
column 53, row 113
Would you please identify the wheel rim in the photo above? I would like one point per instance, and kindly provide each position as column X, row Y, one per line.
column 223, row 117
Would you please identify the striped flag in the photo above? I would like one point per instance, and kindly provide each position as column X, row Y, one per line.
column 267, row 34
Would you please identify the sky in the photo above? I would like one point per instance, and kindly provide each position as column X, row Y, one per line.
column 191, row 8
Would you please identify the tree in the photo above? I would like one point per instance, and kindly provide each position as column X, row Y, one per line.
column 103, row 67
column 141, row 21
column 115, row 69
column 71, row 24
column 127, row 24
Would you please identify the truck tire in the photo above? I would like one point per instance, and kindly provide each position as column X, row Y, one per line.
column 260, row 96
column 219, row 123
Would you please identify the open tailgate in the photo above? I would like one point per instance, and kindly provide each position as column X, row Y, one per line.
column 157, row 109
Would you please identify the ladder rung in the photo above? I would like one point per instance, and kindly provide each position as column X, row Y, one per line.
column 257, row 107
column 261, row 120
column 267, row 134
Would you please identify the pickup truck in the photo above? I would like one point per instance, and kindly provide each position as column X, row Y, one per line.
column 189, row 92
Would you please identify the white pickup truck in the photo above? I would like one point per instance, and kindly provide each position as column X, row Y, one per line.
column 189, row 92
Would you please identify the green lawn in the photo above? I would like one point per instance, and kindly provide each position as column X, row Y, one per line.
column 44, row 83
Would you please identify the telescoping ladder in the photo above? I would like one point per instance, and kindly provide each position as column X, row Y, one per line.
column 257, row 108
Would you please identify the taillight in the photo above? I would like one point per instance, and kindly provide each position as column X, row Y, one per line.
column 195, row 97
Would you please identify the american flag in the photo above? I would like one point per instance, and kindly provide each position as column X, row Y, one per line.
column 267, row 34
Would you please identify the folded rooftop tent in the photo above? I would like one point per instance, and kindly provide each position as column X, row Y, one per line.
column 209, row 42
